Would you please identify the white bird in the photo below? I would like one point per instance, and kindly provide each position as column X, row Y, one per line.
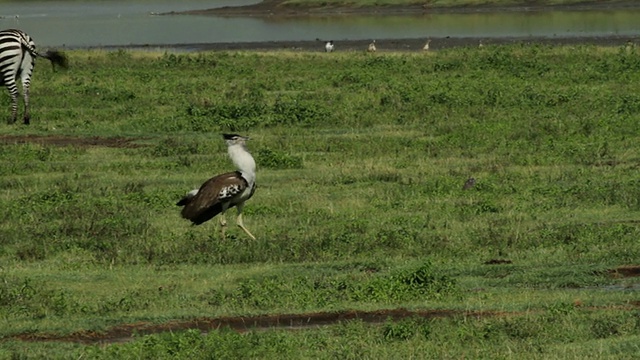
column 372, row 47
column 328, row 47
column 224, row 191
column 629, row 46
column 426, row 46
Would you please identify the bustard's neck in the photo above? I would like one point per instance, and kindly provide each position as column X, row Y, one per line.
column 243, row 160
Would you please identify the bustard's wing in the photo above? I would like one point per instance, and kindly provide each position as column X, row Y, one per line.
column 213, row 195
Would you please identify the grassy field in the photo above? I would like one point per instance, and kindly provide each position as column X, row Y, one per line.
column 360, row 203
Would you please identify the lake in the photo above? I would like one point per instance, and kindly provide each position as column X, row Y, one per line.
column 76, row 23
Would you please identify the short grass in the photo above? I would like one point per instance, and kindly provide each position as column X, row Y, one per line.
column 362, row 159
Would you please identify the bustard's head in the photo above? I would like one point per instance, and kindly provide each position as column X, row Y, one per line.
column 235, row 139
column 239, row 154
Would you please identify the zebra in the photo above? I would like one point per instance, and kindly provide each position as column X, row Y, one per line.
column 17, row 58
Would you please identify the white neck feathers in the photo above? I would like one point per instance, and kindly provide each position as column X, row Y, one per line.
column 243, row 160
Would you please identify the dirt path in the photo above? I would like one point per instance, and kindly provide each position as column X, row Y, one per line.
column 124, row 333
column 115, row 142
column 128, row 332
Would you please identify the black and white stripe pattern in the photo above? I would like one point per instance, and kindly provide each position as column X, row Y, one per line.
column 17, row 58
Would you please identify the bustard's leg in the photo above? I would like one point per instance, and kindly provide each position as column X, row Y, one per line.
column 223, row 225
column 241, row 224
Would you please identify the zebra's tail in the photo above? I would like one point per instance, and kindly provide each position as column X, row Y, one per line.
column 57, row 58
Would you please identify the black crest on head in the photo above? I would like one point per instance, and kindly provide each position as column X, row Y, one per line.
column 229, row 136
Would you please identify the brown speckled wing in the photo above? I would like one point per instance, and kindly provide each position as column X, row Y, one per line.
column 207, row 203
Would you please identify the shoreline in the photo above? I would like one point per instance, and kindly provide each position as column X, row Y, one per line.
column 383, row 45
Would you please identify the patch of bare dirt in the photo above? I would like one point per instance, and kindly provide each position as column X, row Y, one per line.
column 625, row 271
column 498, row 262
column 115, row 142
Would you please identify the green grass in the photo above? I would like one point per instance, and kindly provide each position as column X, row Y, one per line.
column 361, row 162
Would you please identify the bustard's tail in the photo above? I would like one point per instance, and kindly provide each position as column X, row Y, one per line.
column 197, row 216
column 187, row 198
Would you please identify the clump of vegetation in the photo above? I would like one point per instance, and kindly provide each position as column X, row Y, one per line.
column 318, row 291
column 277, row 159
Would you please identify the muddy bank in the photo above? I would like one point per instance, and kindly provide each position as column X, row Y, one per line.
column 382, row 45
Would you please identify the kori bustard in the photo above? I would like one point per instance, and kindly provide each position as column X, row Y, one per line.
column 224, row 191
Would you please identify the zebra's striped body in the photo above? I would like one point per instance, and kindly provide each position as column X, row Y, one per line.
column 17, row 58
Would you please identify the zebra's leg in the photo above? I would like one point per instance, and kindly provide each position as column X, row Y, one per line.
column 27, row 115
column 14, row 109
column 13, row 91
column 25, row 95
column 26, row 68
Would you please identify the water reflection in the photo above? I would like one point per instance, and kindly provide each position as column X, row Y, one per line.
column 484, row 24
column 118, row 22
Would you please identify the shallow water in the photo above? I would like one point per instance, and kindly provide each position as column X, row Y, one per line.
column 101, row 23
